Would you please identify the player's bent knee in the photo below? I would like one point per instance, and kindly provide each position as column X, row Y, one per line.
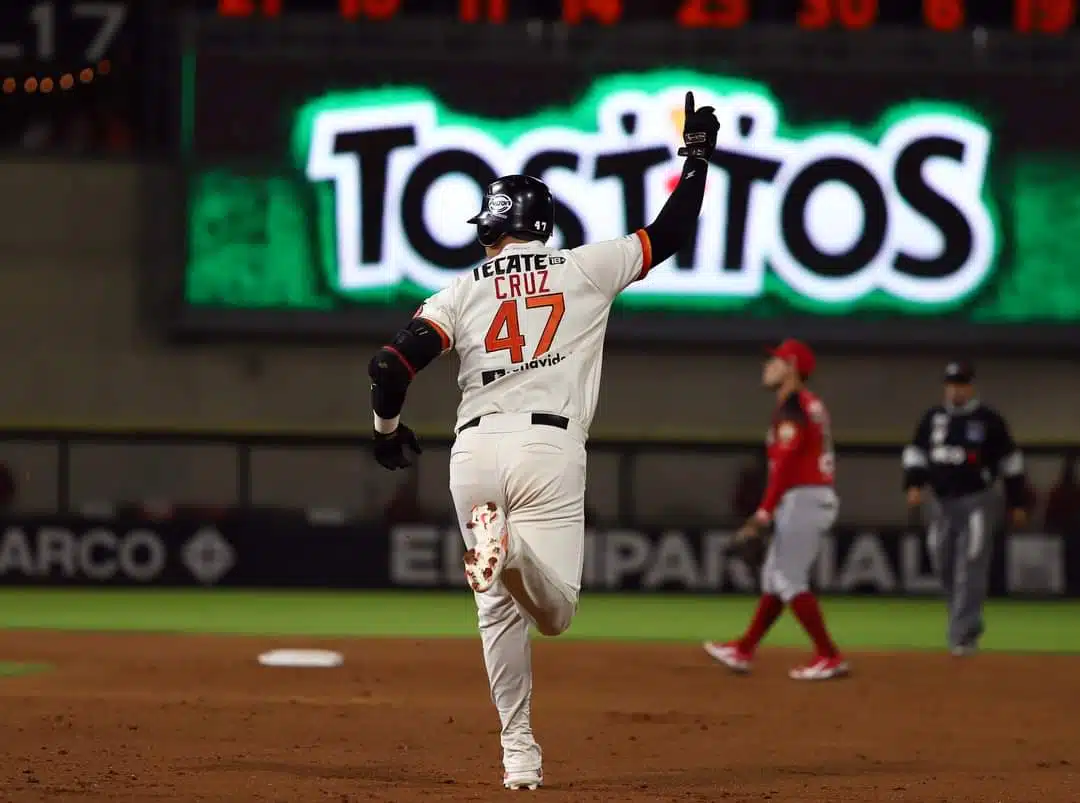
column 554, row 625
column 550, row 630
column 553, row 628
column 556, row 621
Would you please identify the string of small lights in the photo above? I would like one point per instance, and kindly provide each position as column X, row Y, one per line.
column 45, row 84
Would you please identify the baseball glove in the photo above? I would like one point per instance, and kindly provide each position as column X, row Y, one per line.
column 750, row 549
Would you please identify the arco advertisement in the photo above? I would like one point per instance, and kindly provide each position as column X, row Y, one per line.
column 911, row 222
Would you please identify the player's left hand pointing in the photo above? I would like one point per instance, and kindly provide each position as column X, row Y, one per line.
column 392, row 451
column 700, row 127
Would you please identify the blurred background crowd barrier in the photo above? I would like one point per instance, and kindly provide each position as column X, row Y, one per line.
column 332, row 477
column 210, row 226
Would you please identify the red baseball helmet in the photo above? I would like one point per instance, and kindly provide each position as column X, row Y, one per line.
column 798, row 353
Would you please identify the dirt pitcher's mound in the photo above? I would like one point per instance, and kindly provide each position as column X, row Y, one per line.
column 137, row 719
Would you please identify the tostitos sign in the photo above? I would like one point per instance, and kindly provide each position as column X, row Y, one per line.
column 832, row 218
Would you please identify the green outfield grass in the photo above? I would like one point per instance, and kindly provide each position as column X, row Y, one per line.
column 860, row 623
column 10, row 669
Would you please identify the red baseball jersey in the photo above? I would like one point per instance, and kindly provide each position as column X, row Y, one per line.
column 800, row 447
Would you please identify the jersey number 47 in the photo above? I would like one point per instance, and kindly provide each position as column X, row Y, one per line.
column 504, row 334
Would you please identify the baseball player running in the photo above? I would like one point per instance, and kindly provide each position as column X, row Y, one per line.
column 528, row 326
column 801, row 504
column 959, row 450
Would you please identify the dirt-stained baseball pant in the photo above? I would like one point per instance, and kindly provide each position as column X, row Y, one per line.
column 803, row 517
column 536, row 473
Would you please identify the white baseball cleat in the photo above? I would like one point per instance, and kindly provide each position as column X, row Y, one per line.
column 523, row 780
column 821, row 668
column 730, row 655
column 484, row 562
column 964, row 650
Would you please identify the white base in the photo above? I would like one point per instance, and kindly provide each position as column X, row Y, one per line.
column 315, row 659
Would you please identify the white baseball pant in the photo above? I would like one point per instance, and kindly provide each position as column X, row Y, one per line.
column 536, row 474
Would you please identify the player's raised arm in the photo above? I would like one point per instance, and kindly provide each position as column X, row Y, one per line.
column 676, row 222
column 615, row 264
column 392, row 369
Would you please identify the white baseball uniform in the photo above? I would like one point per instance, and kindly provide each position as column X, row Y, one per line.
column 528, row 326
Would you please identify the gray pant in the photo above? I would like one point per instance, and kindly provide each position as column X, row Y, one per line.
column 803, row 517
column 960, row 536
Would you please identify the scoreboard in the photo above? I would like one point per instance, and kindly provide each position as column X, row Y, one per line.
column 51, row 38
column 1018, row 16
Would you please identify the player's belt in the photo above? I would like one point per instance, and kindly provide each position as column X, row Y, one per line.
column 960, row 493
column 539, row 419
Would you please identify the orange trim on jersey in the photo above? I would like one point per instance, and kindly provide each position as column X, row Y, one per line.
column 401, row 357
column 646, row 253
column 442, row 335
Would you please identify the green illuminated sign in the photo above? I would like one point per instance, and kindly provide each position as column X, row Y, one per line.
column 894, row 219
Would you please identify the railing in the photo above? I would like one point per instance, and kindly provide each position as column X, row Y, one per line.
column 640, row 481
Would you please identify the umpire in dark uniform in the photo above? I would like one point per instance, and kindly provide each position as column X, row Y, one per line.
column 959, row 450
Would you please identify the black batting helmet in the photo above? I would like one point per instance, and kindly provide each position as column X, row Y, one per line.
column 519, row 206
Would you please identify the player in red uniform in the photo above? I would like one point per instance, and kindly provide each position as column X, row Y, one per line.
column 801, row 504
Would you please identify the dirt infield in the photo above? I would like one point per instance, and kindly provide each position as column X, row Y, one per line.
column 140, row 718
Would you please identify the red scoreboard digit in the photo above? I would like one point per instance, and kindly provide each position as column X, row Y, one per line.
column 606, row 12
column 723, row 14
column 854, row 15
column 944, row 15
column 1043, row 16
column 372, row 9
column 482, row 10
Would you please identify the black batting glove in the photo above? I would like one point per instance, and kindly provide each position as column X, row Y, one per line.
column 392, row 451
column 700, row 127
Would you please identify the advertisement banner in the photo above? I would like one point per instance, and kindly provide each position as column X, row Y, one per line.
column 75, row 551
column 277, row 552
column 894, row 212
column 240, row 551
column 852, row 561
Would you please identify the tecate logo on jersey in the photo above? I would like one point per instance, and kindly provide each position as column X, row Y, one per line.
column 896, row 215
